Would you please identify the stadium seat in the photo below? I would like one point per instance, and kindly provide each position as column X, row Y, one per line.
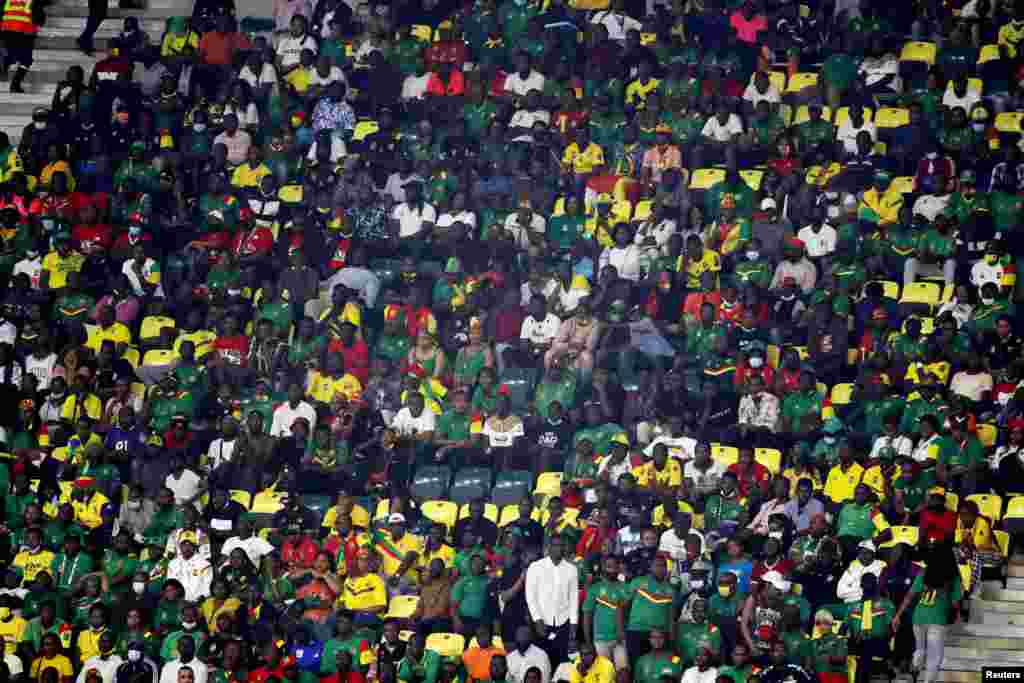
column 402, row 607
column 431, row 483
column 770, row 458
column 441, row 511
column 704, row 178
column 470, row 483
column 510, row 487
column 803, row 114
column 927, row 293
column 267, row 502
column 548, row 484
column 658, row 516
column 496, row 642
column 966, row 577
column 153, row 325
column 903, row 184
column 509, row 514
column 989, row 504
column 131, row 354
column 987, row 434
column 423, row 33
column 243, row 498
column 801, row 80
column 890, row 289
column 752, row 177
column 916, row 51
column 892, row 117
column 1009, row 122
column 975, row 85
column 448, row 645
column 778, row 79
column 842, row 393
column 491, row 512
column 903, row 534
column 158, row 357
column 726, row 455
column 1002, row 540
column 952, row 502
column 843, row 115
column 1013, row 516
column 520, row 382
column 988, row 53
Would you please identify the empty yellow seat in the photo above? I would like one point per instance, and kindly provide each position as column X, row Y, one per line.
column 904, row 184
column 989, row 504
column 988, row 53
column 801, row 80
column 918, row 51
column 921, row 293
column 704, row 178
column 752, row 177
column 158, row 357
column 892, row 117
column 402, row 607
column 131, row 354
column 446, row 644
column 422, row 33
column 778, row 79
column 987, row 434
column 441, row 511
column 1002, row 540
column 770, row 459
column 153, row 325
column 726, row 455
column 1009, row 121
column 842, row 393
column 548, row 484
column 243, row 498
column 903, row 534
column 890, row 289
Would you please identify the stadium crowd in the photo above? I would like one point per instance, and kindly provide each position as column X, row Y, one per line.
column 596, row 341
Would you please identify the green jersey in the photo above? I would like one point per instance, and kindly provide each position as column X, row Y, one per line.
column 651, row 604
column 605, row 600
column 934, row 606
column 650, row 668
column 871, row 618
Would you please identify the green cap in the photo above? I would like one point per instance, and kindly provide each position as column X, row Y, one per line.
column 454, row 265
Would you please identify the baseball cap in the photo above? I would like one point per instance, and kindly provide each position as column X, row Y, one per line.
column 396, row 518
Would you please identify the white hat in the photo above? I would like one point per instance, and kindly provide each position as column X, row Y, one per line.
column 396, row 518
column 777, row 580
column 867, row 545
column 768, row 203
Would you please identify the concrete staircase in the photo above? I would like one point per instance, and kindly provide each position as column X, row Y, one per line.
column 56, row 51
column 994, row 634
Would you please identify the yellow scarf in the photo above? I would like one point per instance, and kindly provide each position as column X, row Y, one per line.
column 867, row 616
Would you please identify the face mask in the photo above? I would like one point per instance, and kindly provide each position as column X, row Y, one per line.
column 788, row 297
column 756, row 362
column 122, row 117
column 724, row 591
column 139, row 586
column 134, row 504
column 199, row 127
column 752, row 255
column 988, row 301
column 39, row 125
column 978, row 126
column 134, row 655
column 830, row 439
column 696, row 584
column 775, row 534
column 134, row 231
column 188, row 625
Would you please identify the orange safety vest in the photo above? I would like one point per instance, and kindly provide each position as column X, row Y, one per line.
column 17, row 17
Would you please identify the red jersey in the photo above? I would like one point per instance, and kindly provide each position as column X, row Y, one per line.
column 255, row 242
column 90, row 239
column 302, row 553
column 357, row 358
column 234, row 350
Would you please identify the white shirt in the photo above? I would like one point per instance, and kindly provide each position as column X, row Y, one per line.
column 195, row 575
column 754, row 96
column 169, row 674
column 625, row 261
column 722, row 132
column 660, row 231
column 149, row 266
column 517, row 85
column 901, row 445
column 247, row 117
column 922, row 451
column 415, row 87
column 16, row 668
column 33, row 267
column 982, row 273
column 819, row 243
column 704, row 480
column 876, row 69
column 519, row 663
column 691, row 675
column 410, row 220
column 540, row 332
column 527, row 119
column 847, row 134
column 338, row 149
column 682, row 447
column 8, row 332
column 41, row 368
column 616, row 23
column 107, row 668
column 185, row 487
column 614, row 469
column 267, row 75
column 971, row 385
column 289, row 50
column 931, row 205
column 502, row 438
column 221, row 451
column 521, row 233
column 951, row 99
column 553, row 592
column 362, row 280
column 448, row 219
column 849, row 589
column 285, row 416
column 758, row 414
column 407, row 425
column 254, row 546
column 334, row 75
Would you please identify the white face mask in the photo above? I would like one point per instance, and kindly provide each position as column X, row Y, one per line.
column 756, row 361
column 188, row 625
column 830, row 439
column 696, row 584
column 139, row 587
column 39, row 125
column 199, row 127
column 752, row 255
column 988, row 301
column 775, row 534
column 134, row 504
column 978, row 126
column 134, row 655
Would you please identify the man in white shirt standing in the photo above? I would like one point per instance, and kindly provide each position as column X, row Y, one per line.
column 105, row 663
column 552, row 596
column 414, row 420
column 525, row 657
column 194, row 572
column 287, row 413
column 616, row 22
column 253, row 546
